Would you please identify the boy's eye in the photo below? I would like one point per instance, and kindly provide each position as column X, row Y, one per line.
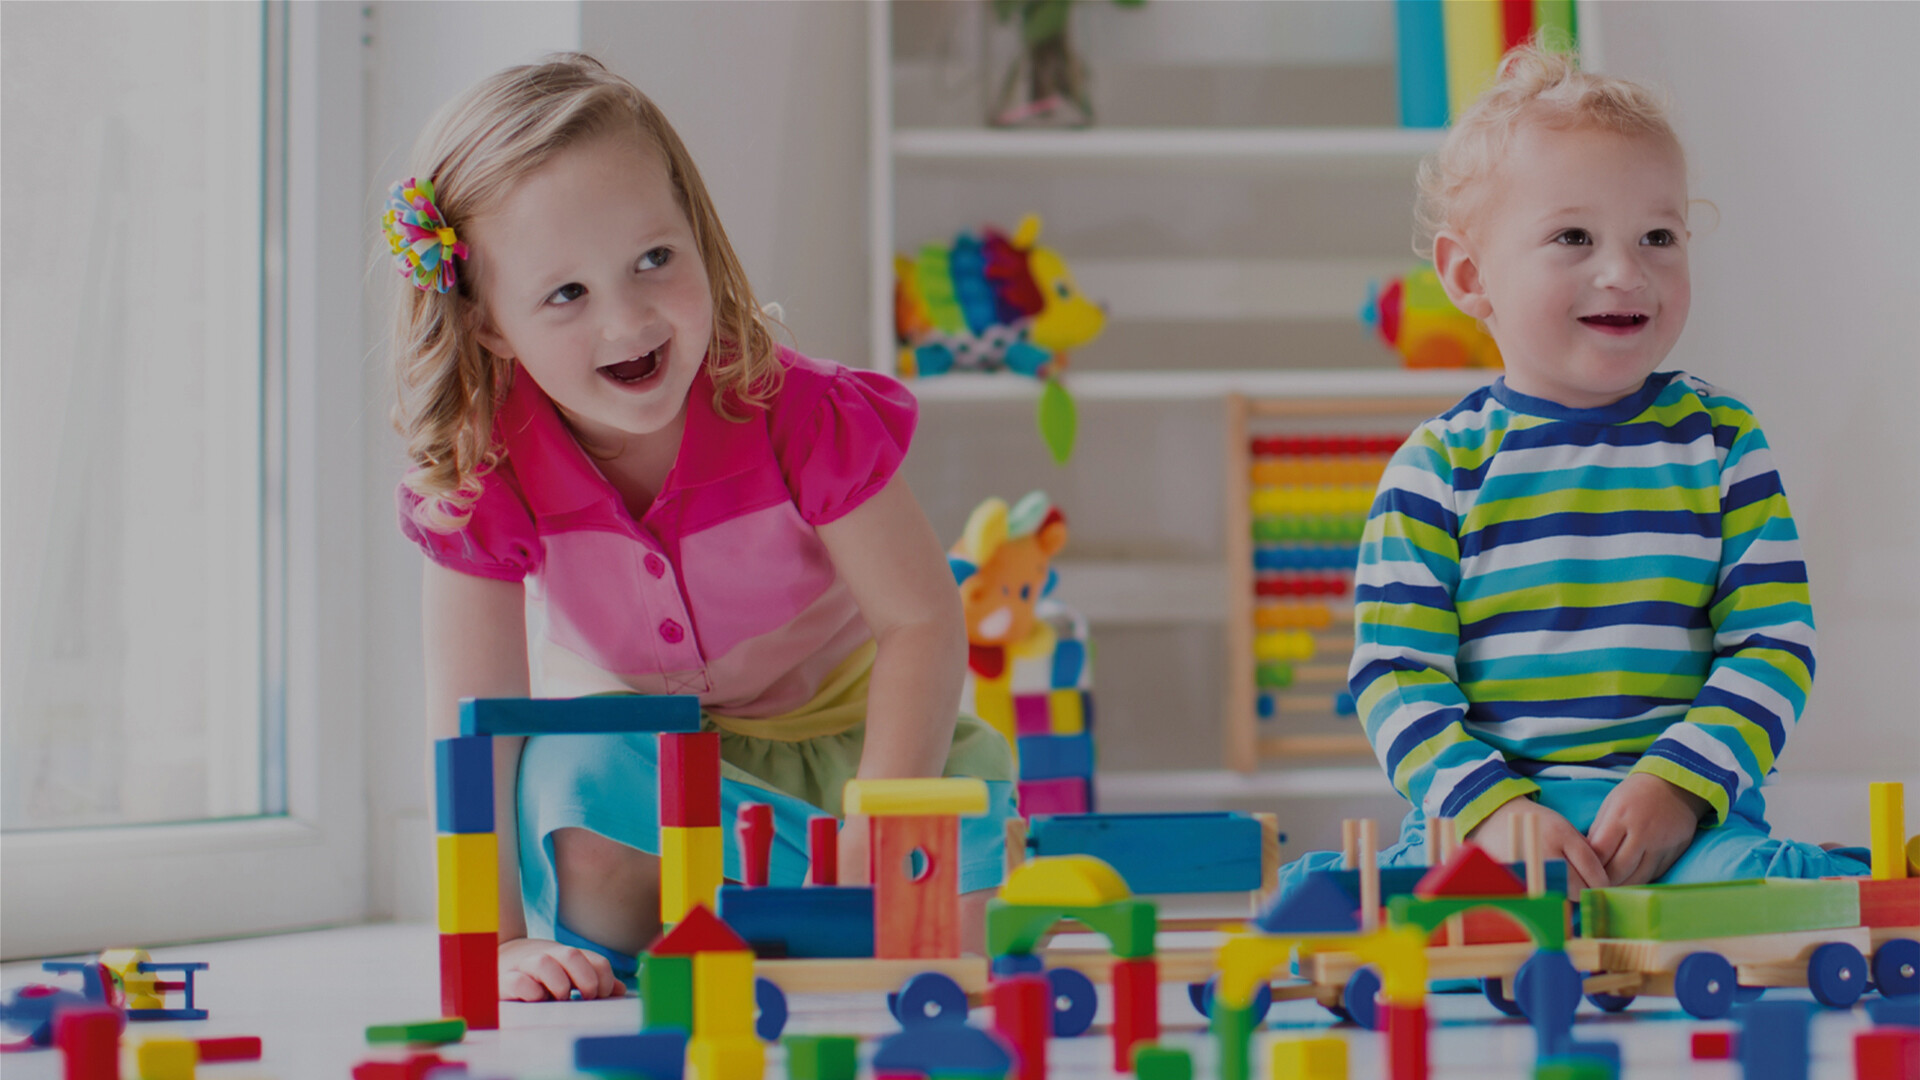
column 567, row 294
column 1660, row 238
column 1572, row 237
column 655, row 259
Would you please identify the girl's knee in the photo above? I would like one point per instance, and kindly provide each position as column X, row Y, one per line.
column 585, row 856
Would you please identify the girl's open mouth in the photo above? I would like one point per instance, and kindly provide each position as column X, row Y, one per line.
column 635, row 371
column 1615, row 323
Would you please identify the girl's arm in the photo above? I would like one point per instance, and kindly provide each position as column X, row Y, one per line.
column 476, row 646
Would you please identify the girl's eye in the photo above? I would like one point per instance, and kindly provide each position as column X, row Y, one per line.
column 567, row 294
column 1572, row 237
column 1661, row 238
column 655, row 259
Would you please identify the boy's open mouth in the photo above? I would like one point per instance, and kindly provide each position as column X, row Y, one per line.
column 1614, row 320
column 638, row 369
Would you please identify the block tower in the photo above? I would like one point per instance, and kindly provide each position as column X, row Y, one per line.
column 915, row 860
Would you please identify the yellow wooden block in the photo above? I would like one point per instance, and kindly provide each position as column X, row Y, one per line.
column 160, row 1057
column 1887, row 830
column 956, row 795
column 690, row 869
column 993, row 701
column 1913, row 857
column 1065, row 881
column 1063, row 707
column 733, row 1058
column 469, row 871
column 723, row 1001
column 1321, row 1058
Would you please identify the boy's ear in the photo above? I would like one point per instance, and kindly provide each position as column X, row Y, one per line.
column 1459, row 275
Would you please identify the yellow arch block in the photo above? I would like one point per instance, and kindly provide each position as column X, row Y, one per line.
column 1065, row 881
column 957, row 795
column 1248, row 962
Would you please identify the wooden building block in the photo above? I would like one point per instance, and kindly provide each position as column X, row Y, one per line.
column 823, row 850
column 446, row 1030
column 1161, row 853
column 1062, row 795
column 1023, row 1015
column 1712, row 1046
column 916, row 916
column 788, row 921
column 1136, row 1008
column 602, row 714
column 735, row 1058
column 754, row 827
column 666, row 993
column 1889, row 902
column 1406, row 1041
column 162, row 1057
column 1046, row 757
column 690, row 869
column 469, row 882
column 690, row 780
column 89, row 1041
column 1154, row 1062
column 1726, row 909
column 470, row 979
column 1068, row 710
column 229, row 1048
column 954, row 795
column 723, row 1002
column 1310, row 1058
column 649, row 1055
column 1887, row 1054
column 463, row 784
column 1887, row 830
column 822, row 1057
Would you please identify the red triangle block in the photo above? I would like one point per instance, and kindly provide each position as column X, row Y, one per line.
column 1471, row 872
column 700, row 932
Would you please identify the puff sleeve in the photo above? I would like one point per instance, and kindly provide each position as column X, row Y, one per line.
column 499, row 541
column 842, row 449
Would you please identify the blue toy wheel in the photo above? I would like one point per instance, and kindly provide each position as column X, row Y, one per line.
column 1837, row 975
column 1074, row 1000
column 1612, row 1003
column 928, row 998
column 1552, row 975
column 1358, row 998
column 1496, row 992
column 1703, row 984
column 1201, row 994
column 1744, row 994
column 1896, row 968
column 772, row 1003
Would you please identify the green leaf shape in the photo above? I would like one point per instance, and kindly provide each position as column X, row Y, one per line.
column 1059, row 420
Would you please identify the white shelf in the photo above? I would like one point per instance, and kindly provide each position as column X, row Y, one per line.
column 1183, row 146
column 1144, row 592
column 1099, row 386
column 1212, row 787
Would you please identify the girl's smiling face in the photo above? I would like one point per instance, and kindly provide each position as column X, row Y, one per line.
column 1576, row 259
column 591, row 278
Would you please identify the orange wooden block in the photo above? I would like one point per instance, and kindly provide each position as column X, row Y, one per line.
column 1890, row 902
column 916, row 916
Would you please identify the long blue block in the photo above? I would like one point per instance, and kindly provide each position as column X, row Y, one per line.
column 463, row 784
column 1053, row 757
column 1400, row 880
column 816, row 921
column 1159, row 853
column 937, row 1049
column 656, row 1055
column 606, row 714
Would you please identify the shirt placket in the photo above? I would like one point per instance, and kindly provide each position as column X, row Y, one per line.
column 682, row 667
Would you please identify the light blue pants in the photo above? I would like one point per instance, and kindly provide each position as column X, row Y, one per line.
column 1742, row 848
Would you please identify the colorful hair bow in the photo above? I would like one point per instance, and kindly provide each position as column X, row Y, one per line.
column 423, row 244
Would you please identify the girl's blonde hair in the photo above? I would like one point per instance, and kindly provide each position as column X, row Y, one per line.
column 474, row 151
column 1535, row 85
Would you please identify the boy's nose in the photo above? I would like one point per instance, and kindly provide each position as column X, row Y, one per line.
column 1621, row 269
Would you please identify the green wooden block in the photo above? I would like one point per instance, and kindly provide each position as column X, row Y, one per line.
column 666, row 993
column 1544, row 916
column 1573, row 1068
column 821, row 1057
column 435, row 1032
column 1128, row 925
column 1718, row 909
column 1233, row 1038
column 1152, row 1061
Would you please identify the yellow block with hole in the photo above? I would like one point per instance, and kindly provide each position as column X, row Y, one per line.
column 959, row 795
column 1066, row 713
column 732, row 1058
column 469, row 875
column 1320, row 1058
column 690, row 869
column 1065, row 881
column 723, row 1001
column 161, row 1058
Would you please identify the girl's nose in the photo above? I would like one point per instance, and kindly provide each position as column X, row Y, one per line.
column 630, row 317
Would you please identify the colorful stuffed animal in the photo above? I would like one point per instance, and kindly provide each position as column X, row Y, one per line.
column 1413, row 315
column 1002, row 567
column 989, row 302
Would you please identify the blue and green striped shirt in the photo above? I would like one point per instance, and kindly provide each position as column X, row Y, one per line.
column 1545, row 591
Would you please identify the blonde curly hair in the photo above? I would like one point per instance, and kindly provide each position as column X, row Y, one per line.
column 474, row 151
column 1535, row 85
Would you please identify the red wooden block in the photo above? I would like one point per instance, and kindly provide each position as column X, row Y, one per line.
column 690, row 779
column 1406, row 1041
column 823, row 850
column 1022, row 1015
column 1713, row 1046
column 413, row 1068
column 1891, row 902
column 470, row 979
column 1484, row 926
column 755, row 828
column 1471, row 872
column 1887, row 1054
column 229, row 1048
column 1136, row 1008
column 916, row 917
column 701, row 931
column 89, row 1042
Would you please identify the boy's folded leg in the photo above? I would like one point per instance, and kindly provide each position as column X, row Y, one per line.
column 1743, row 848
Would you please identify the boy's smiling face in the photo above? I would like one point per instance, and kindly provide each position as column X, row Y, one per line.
column 1575, row 257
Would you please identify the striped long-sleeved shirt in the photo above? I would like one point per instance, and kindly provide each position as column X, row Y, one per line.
column 1553, row 591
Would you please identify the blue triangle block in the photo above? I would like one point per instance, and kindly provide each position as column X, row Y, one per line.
column 1318, row 905
column 943, row 1049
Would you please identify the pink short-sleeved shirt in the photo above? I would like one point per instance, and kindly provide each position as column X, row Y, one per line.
column 722, row 588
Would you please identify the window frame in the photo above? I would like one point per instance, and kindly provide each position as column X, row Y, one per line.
column 72, row 890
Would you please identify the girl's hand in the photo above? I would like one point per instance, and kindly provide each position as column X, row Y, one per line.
column 1558, row 840
column 533, row 969
column 854, row 840
column 1643, row 825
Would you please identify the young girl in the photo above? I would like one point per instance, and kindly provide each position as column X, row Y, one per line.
column 1580, row 595
column 622, row 485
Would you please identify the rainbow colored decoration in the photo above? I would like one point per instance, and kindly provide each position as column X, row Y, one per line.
column 1414, row 316
column 1451, row 49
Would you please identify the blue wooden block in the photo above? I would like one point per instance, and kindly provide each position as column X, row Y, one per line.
column 1054, row 757
column 1317, row 905
column 463, row 783
column 943, row 1050
column 816, row 921
column 1159, row 853
column 1894, row 1011
column 1069, row 660
column 656, row 1055
column 1400, row 880
column 605, row 714
column 1772, row 1043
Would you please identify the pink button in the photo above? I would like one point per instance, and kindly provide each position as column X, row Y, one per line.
column 656, row 565
column 671, row 631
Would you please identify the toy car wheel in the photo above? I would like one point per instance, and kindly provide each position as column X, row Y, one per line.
column 772, row 1003
column 1074, row 1001
column 1896, row 968
column 1837, row 975
column 1358, row 1000
column 929, row 998
column 1554, row 974
column 1703, row 984
column 1201, row 994
column 1496, row 992
column 1612, row 1003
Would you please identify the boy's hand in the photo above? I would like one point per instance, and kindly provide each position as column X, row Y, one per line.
column 855, row 836
column 533, row 969
column 1643, row 826
column 1558, row 840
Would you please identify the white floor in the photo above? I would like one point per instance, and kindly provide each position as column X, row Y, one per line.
column 310, row 997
